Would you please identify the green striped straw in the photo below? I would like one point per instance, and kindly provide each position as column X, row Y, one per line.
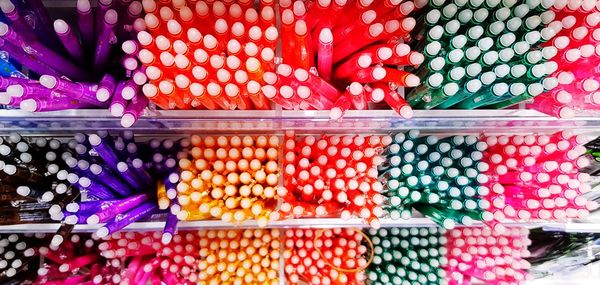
column 407, row 256
column 482, row 37
column 441, row 178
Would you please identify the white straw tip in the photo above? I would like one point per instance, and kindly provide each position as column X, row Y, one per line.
column 166, row 238
column 335, row 113
column 3, row 29
column 5, row 98
column 412, row 80
column 406, row 112
column 325, row 36
column 417, row 58
column 56, row 241
column 117, row 110
column 48, row 81
column 61, row 27
column 111, row 17
column 127, row 120
column 23, row 190
column 379, row 73
column 7, row 6
column 54, row 210
column 102, row 232
column 102, row 95
column 93, row 220
column 63, row 268
column 566, row 113
column 29, row 105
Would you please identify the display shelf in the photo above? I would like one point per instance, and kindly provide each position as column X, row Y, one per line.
column 276, row 121
column 215, row 224
column 574, row 227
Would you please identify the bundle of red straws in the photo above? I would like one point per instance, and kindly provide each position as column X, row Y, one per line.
column 332, row 175
column 331, row 256
column 205, row 54
column 341, row 54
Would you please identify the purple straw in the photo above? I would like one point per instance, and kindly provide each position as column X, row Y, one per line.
column 74, row 219
column 134, row 11
column 104, row 151
column 17, row 22
column 81, row 91
column 106, row 88
column 129, row 176
column 126, row 219
column 6, row 99
column 96, row 189
column 40, row 22
column 129, row 11
column 117, row 105
column 41, row 52
column 8, row 81
column 139, row 76
column 34, row 90
column 85, row 21
column 90, row 206
column 25, row 59
column 134, row 110
column 106, row 39
column 110, row 180
column 119, row 208
column 68, row 39
column 51, row 104
column 137, row 165
column 170, row 228
column 103, row 7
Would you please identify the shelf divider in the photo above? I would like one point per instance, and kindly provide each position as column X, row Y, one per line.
column 277, row 121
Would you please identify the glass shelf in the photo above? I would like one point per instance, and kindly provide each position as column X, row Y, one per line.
column 275, row 121
column 215, row 224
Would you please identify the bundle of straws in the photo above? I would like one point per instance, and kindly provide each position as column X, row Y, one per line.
column 65, row 58
column 325, row 256
column 483, row 54
column 139, row 258
column 333, row 64
column 35, row 184
column 537, row 177
column 487, row 255
column 439, row 177
column 332, row 175
column 407, row 256
column 229, row 178
column 19, row 257
column 239, row 257
column 578, row 53
column 119, row 178
column 76, row 261
column 206, row 55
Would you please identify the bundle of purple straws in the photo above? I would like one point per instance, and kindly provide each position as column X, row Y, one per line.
column 75, row 68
